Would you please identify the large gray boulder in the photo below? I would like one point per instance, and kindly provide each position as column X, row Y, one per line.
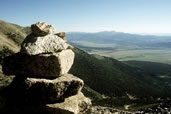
column 43, row 91
column 33, row 45
column 84, row 103
column 42, row 29
column 43, row 65
column 71, row 105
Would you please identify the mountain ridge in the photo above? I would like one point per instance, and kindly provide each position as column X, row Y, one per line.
column 107, row 76
column 124, row 46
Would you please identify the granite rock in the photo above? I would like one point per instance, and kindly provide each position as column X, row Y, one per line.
column 42, row 29
column 34, row 45
column 43, row 65
column 43, row 91
column 71, row 105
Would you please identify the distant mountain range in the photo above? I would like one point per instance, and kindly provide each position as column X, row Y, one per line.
column 116, row 41
column 119, row 39
column 124, row 46
column 104, row 77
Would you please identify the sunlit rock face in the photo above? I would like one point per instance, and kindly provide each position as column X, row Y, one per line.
column 34, row 45
column 42, row 83
column 42, row 65
column 42, row 28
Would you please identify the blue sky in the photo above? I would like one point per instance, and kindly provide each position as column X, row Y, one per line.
column 133, row 16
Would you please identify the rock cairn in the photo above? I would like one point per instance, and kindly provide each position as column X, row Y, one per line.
column 42, row 83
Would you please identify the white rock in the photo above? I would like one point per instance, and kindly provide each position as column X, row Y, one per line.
column 34, row 45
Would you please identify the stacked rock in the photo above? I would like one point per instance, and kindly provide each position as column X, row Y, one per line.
column 42, row 83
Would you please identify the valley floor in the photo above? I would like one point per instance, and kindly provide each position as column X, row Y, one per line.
column 153, row 55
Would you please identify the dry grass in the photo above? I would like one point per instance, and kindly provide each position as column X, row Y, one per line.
column 4, row 41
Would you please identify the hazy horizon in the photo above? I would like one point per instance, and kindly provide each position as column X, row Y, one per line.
column 137, row 33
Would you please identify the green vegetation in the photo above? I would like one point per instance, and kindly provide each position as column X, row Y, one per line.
column 115, row 79
column 94, row 95
column 152, row 67
column 159, row 70
column 4, row 80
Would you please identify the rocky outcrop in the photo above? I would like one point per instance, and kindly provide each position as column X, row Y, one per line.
column 34, row 45
column 71, row 105
column 84, row 103
column 44, row 91
column 106, row 110
column 163, row 107
column 42, row 65
column 75, row 104
column 62, row 35
column 42, row 29
column 42, row 83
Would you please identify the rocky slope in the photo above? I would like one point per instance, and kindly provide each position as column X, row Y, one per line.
column 107, row 78
column 11, row 35
column 52, row 92
column 104, row 74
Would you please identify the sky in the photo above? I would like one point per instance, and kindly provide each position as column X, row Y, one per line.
column 131, row 16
